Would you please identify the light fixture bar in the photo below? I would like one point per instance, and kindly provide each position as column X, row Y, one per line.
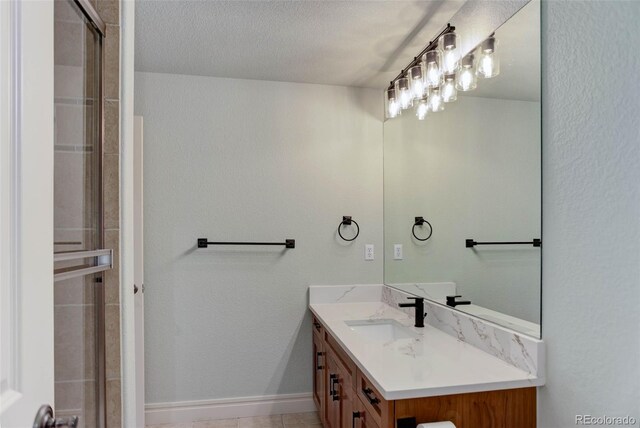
column 416, row 60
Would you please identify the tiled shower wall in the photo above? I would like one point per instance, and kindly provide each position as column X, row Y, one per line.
column 109, row 11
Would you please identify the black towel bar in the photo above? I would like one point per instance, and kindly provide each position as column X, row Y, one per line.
column 470, row 243
column 288, row 243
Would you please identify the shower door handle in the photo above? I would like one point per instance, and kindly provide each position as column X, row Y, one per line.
column 44, row 419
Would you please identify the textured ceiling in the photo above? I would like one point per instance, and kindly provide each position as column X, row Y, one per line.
column 350, row 43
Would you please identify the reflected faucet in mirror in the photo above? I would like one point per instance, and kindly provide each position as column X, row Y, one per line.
column 451, row 301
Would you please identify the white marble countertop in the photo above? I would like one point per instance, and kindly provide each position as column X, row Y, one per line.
column 432, row 364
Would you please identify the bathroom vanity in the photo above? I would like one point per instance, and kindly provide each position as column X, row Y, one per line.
column 372, row 368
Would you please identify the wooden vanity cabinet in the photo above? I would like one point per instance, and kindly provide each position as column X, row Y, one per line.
column 319, row 368
column 347, row 399
column 507, row 408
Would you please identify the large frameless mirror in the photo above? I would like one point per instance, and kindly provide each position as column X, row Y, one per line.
column 462, row 187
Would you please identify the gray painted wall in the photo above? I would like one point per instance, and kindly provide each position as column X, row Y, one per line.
column 473, row 171
column 249, row 160
column 591, row 210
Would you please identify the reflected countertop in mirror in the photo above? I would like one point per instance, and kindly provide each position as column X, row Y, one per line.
column 473, row 171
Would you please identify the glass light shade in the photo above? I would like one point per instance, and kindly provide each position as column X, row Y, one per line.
column 488, row 62
column 422, row 109
column 416, row 82
column 450, row 54
column 448, row 88
column 392, row 104
column 432, row 68
column 404, row 93
column 466, row 79
column 435, row 101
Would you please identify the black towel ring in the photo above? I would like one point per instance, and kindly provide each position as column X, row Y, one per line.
column 347, row 220
column 419, row 222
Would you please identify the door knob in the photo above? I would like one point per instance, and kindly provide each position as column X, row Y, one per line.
column 44, row 419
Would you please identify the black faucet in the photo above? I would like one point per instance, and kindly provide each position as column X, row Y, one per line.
column 419, row 305
column 451, row 301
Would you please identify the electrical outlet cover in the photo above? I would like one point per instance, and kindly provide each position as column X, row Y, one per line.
column 368, row 252
column 397, row 252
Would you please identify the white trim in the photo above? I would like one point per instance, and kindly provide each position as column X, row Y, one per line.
column 138, row 267
column 127, row 230
column 227, row 408
column 8, row 207
column 26, row 212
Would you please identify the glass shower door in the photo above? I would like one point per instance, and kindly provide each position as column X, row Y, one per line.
column 79, row 257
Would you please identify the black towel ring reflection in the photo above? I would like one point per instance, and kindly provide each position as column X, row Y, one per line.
column 420, row 221
column 347, row 220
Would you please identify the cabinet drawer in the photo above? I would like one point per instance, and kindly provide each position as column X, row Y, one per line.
column 379, row 409
column 318, row 329
column 360, row 417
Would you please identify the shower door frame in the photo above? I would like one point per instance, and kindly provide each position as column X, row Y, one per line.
column 94, row 19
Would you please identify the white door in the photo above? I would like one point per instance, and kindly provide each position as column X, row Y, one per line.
column 138, row 274
column 26, row 210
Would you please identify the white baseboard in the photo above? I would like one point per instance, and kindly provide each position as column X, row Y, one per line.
column 227, row 408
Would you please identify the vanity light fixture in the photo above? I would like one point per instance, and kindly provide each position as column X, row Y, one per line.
column 466, row 76
column 422, row 109
column 448, row 89
column 450, row 54
column 433, row 68
column 435, row 76
column 393, row 105
column 488, row 63
column 416, row 82
column 435, row 101
column 402, row 89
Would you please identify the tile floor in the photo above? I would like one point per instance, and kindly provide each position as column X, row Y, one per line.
column 292, row 420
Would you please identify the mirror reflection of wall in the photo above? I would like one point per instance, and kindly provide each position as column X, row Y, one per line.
column 473, row 171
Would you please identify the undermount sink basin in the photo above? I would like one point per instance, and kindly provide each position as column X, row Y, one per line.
column 382, row 330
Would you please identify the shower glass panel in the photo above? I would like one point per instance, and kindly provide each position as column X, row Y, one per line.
column 79, row 257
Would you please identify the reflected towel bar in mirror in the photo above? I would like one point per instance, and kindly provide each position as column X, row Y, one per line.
column 288, row 243
column 470, row 243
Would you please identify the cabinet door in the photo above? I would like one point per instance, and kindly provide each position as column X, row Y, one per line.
column 319, row 368
column 347, row 397
column 332, row 397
